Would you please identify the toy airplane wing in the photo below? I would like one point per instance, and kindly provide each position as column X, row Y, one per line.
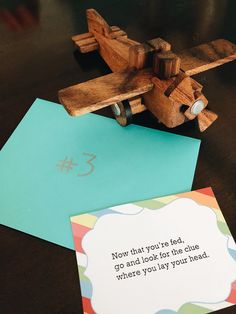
column 207, row 56
column 104, row 91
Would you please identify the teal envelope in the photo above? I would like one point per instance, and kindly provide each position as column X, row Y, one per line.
column 55, row 166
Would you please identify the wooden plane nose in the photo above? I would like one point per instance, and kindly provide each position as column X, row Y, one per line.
column 205, row 117
column 197, row 107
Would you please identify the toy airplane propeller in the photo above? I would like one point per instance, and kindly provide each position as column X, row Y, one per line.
column 146, row 76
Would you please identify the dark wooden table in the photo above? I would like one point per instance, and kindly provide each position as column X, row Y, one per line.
column 37, row 59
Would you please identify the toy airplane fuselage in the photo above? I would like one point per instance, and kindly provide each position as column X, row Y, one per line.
column 146, row 76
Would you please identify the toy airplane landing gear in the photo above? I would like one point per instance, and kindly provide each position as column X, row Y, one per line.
column 146, row 76
column 124, row 110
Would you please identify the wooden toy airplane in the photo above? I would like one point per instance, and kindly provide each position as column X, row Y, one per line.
column 146, row 76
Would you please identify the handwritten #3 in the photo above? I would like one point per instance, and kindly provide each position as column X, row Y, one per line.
column 68, row 164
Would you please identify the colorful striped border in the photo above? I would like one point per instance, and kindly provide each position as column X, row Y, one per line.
column 82, row 224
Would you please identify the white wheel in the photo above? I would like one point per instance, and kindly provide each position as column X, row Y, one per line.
column 122, row 112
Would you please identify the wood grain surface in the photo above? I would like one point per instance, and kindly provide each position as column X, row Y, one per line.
column 166, row 64
column 104, row 91
column 207, row 56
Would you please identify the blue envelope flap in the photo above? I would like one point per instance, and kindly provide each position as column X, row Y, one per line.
column 55, row 166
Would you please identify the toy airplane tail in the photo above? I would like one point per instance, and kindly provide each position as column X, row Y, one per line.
column 87, row 42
